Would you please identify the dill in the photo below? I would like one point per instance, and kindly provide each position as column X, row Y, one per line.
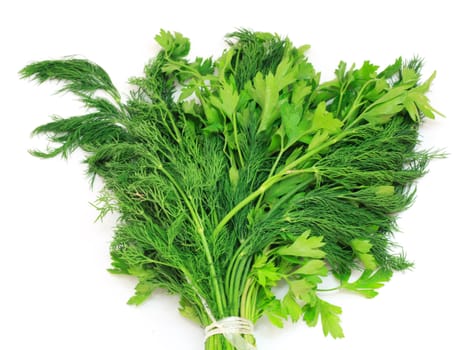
column 232, row 175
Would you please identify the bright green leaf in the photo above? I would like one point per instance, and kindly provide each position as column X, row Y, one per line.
column 392, row 69
column 291, row 116
column 318, row 139
column 409, row 76
column 310, row 315
column 267, row 274
column 285, row 74
column 300, row 92
column 176, row 45
column 305, row 246
column 212, row 115
column 187, row 310
column 362, row 248
column 143, row 289
column 367, row 71
column 411, row 108
column 285, row 186
column 274, row 312
column 380, row 113
column 424, row 87
column 361, row 245
column 324, row 121
column 265, row 93
column 233, row 175
column 186, row 92
column 368, row 261
column 291, row 307
column 312, row 267
column 303, row 289
column 229, row 99
column 368, row 282
column 385, row 191
column 330, row 318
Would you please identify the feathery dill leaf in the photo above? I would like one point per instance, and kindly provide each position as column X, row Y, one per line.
column 78, row 75
column 232, row 175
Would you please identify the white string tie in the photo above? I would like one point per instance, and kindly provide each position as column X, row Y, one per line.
column 232, row 328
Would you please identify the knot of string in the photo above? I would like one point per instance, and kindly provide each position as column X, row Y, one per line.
column 232, row 329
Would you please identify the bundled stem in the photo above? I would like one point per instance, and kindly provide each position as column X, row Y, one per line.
column 232, row 175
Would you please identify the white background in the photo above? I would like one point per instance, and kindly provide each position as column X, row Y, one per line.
column 55, row 292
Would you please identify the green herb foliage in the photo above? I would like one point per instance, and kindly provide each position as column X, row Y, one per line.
column 236, row 174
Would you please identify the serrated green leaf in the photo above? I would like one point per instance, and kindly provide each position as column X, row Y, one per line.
column 411, row 108
column 212, row 115
column 361, row 245
column 213, row 128
column 291, row 307
column 324, row 121
column 274, row 312
column 392, row 69
column 366, row 72
column 143, row 291
column 176, row 45
column 340, row 72
column 425, row 87
column 303, row 289
column 286, row 73
column 383, row 109
column 229, row 99
column 330, row 318
column 310, row 315
column 170, row 67
column 422, row 103
column 312, row 267
column 267, row 274
column 187, row 310
column 285, row 187
column 362, row 248
column 318, row 139
column 300, row 92
column 368, row 282
column 409, row 76
column 186, row 92
column 265, row 93
column 368, row 261
column 305, row 246
column 291, row 118
column 189, row 107
column 394, row 95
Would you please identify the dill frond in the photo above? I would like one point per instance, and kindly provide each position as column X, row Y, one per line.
column 229, row 176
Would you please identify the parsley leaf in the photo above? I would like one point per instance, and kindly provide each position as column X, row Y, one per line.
column 236, row 175
column 368, row 282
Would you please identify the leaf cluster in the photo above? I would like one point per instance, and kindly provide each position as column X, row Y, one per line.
column 232, row 175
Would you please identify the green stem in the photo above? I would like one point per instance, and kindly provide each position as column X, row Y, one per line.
column 219, row 296
column 272, row 171
column 340, row 98
column 356, row 103
column 174, row 131
column 329, row 289
column 235, row 135
column 236, row 275
column 248, row 299
column 274, row 179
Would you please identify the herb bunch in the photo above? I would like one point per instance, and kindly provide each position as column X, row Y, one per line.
column 233, row 175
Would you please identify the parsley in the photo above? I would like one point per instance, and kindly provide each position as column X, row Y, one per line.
column 233, row 175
